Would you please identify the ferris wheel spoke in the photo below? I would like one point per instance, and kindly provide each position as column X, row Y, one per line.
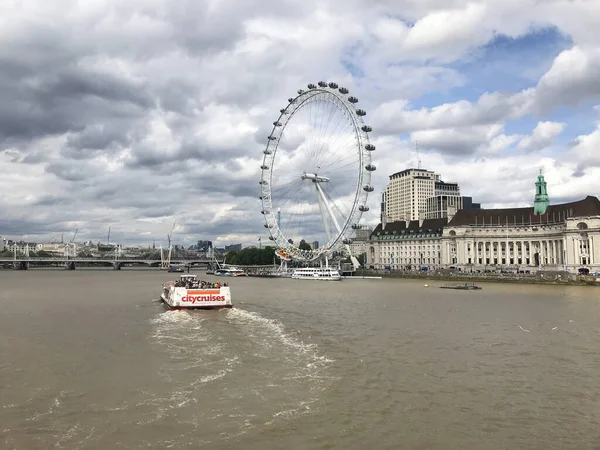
column 327, row 133
column 315, row 128
column 347, row 159
column 332, row 124
column 328, row 139
column 333, row 164
column 325, row 156
column 290, row 204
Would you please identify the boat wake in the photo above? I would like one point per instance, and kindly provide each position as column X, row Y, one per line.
column 208, row 377
column 235, row 369
column 291, row 372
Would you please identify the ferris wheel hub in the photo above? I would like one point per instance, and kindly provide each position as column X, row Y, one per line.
column 314, row 177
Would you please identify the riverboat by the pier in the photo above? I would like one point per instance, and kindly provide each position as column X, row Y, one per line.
column 317, row 273
column 190, row 293
column 176, row 268
column 230, row 271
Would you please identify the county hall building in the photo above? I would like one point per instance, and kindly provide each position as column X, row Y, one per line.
column 542, row 237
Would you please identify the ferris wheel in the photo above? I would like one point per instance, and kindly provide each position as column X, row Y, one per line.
column 316, row 173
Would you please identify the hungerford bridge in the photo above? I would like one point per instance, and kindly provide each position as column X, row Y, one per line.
column 157, row 258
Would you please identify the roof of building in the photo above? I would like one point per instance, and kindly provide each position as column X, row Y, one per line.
column 402, row 227
column 407, row 171
column 589, row 206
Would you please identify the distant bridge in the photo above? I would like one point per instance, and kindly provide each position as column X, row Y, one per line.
column 70, row 263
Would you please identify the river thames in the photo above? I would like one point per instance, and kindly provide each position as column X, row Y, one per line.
column 90, row 359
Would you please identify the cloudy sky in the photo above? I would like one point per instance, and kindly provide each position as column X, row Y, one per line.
column 134, row 113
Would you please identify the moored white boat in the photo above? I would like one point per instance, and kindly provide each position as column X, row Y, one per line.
column 189, row 293
column 317, row 273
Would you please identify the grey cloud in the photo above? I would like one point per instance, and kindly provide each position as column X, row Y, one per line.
column 460, row 146
column 67, row 171
column 579, row 171
column 27, row 226
column 96, row 139
column 51, row 200
column 196, row 149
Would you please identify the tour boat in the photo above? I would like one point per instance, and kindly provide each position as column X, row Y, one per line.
column 230, row 271
column 190, row 293
column 317, row 273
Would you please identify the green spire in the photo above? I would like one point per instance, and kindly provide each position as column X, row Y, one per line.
column 541, row 202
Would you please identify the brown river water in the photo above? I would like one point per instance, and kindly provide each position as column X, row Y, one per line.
column 90, row 359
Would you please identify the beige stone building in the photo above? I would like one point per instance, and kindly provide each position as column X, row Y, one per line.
column 405, row 245
column 406, row 194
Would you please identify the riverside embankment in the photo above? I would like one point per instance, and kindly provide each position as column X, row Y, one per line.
column 557, row 278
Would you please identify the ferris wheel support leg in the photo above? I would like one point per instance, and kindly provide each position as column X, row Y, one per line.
column 324, row 210
column 323, row 199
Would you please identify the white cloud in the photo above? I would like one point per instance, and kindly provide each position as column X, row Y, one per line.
column 447, row 33
column 543, row 135
column 573, row 78
column 584, row 152
column 398, row 117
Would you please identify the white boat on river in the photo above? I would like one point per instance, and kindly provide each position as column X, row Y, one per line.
column 317, row 273
column 190, row 293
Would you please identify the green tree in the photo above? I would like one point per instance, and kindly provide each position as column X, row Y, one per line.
column 251, row 256
column 304, row 245
column 231, row 257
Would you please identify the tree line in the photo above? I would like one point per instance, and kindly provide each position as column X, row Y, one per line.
column 251, row 256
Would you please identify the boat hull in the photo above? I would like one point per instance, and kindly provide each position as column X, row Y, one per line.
column 318, row 278
column 211, row 298
column 462, row 288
